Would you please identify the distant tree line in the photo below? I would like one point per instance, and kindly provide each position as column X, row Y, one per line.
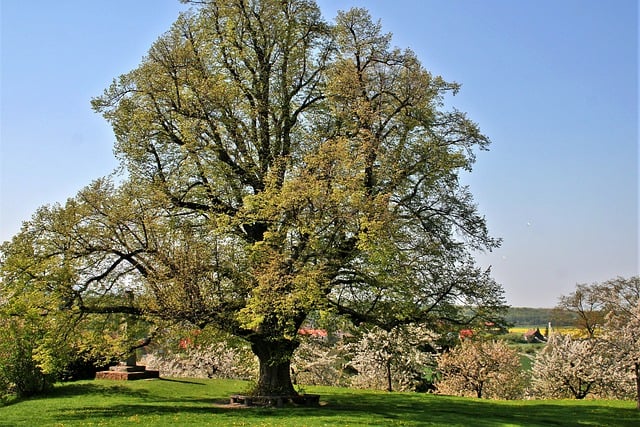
column 540, row 317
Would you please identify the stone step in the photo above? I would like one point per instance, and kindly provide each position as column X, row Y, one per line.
column 128, row 368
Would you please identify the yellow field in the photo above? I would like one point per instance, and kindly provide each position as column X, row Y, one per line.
column 564, row 330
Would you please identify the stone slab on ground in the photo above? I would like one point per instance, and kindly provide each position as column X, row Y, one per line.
column 127, row 373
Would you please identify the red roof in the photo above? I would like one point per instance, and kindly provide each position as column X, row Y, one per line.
column 466, row 333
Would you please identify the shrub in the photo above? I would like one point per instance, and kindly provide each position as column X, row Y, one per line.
column 20, row 373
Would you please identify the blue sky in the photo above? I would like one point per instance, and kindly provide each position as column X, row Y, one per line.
column 553, row 83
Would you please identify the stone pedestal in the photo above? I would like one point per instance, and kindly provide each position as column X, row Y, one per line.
column 127, row 372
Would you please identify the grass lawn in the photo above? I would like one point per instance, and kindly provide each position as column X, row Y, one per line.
column 199, row 402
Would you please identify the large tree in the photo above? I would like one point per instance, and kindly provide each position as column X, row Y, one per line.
column 277, row 165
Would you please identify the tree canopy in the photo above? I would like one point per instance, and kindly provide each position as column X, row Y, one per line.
column 276, row 165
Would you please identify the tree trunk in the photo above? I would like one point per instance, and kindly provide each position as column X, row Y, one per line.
column 637, row 369
column 389, row 383
column 274, row 356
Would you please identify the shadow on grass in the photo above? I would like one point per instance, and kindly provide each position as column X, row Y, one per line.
column 128, row 411
column 442, row 410
column 173, row 380
column 83, row 389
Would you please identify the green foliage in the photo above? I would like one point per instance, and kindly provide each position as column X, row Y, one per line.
column 45, row 335
column 33, row 351
column 20, row 373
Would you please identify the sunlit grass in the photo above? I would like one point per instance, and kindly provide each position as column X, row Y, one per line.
column 202, row 402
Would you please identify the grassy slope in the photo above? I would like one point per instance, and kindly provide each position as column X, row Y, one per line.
column 192, row 402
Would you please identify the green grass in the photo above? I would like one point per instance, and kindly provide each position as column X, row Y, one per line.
column 193, row 402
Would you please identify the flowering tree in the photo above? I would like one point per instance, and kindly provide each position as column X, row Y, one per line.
column 610, row 313
column 571, row 368
column 392, row 360
column 184, row 351
column 488, row 369
column 214, row 360
column 621, row 340
column 319, row 361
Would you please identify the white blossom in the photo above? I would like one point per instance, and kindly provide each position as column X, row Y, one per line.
column 392, row 360
column 483, row 369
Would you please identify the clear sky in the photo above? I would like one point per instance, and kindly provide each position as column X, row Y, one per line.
column 553, row 83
